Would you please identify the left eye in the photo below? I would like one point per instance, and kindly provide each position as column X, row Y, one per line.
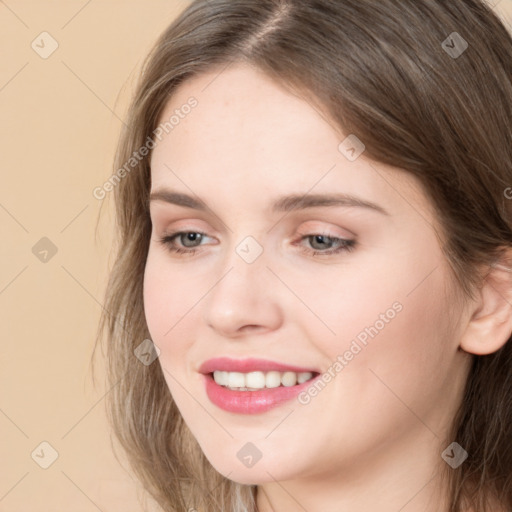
column 340, row 244
column 189, row 240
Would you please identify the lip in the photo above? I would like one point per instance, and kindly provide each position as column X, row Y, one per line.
column 227, row 364
column 251, row 402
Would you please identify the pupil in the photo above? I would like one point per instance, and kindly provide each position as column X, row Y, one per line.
column 191, row 237
column 320, row 239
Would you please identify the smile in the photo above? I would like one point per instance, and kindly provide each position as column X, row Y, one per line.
column 253, row 386
column 254, row 381
column 245, row 400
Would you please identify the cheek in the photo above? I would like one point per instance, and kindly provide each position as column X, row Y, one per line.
column 392, row 319
column 155, row 284
column 168, row 306
column 168, row 302
column 407, row 351
column 352, row 303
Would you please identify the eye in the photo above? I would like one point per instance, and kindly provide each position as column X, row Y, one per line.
column 185, row 237
column 323, row 245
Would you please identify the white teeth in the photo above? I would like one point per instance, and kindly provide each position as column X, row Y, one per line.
column 303, row 377
column 236, row 380
column 272, row 379
column 289, row 379
column 222, row 378
column 253, row 381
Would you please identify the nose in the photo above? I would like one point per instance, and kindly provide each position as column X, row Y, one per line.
column 243, row 298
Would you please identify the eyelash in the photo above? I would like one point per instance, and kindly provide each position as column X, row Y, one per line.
column 345, row 245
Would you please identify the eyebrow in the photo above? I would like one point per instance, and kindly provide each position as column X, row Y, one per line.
column 282, row 204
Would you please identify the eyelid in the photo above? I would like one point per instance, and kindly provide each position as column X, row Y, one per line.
column 319, row 227
column 188, row 225
column 305, row 228
column 177, row 232
column 349, row 241
column 344, row 245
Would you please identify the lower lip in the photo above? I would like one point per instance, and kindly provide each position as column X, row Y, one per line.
column 251, row 402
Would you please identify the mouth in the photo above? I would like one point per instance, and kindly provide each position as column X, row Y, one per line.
column 251, row 386
column 258, row 380
column 255, row 392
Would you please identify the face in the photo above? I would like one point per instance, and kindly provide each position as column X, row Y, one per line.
column 351, row 294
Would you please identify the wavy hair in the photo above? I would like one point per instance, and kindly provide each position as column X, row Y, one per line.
column 381, row 69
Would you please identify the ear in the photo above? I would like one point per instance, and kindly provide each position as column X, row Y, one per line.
column 490, row 324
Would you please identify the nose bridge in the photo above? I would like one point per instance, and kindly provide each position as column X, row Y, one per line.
column 244, row 269
column 240, row 296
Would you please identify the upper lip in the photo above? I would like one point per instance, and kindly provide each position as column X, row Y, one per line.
column 249, row 365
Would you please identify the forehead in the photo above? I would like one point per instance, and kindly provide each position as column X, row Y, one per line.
column 247, row 135
column 243, row 109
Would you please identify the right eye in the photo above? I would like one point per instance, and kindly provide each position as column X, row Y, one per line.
column 169, row 241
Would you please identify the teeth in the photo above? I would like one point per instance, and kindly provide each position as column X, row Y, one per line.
column 289, row 379
column 272, row 379
column 303, row 377
column 236, row 380
column 253, row 381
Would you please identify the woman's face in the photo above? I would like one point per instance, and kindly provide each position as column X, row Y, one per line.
column 367, row 314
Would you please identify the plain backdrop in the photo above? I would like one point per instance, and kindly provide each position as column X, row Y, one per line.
column 67, row 71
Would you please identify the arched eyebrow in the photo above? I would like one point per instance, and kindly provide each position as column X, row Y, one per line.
column 282, row 204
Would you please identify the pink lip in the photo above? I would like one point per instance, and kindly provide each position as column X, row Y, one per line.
column 250, row 402
column 248, row 365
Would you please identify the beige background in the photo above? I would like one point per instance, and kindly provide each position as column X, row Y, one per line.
column 60, row 118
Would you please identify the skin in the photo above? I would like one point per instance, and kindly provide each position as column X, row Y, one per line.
column 372, row 438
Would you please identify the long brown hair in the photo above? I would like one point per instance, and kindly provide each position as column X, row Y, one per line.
column 394, row 73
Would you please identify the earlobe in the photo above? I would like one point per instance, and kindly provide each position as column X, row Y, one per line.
column 490, row 323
